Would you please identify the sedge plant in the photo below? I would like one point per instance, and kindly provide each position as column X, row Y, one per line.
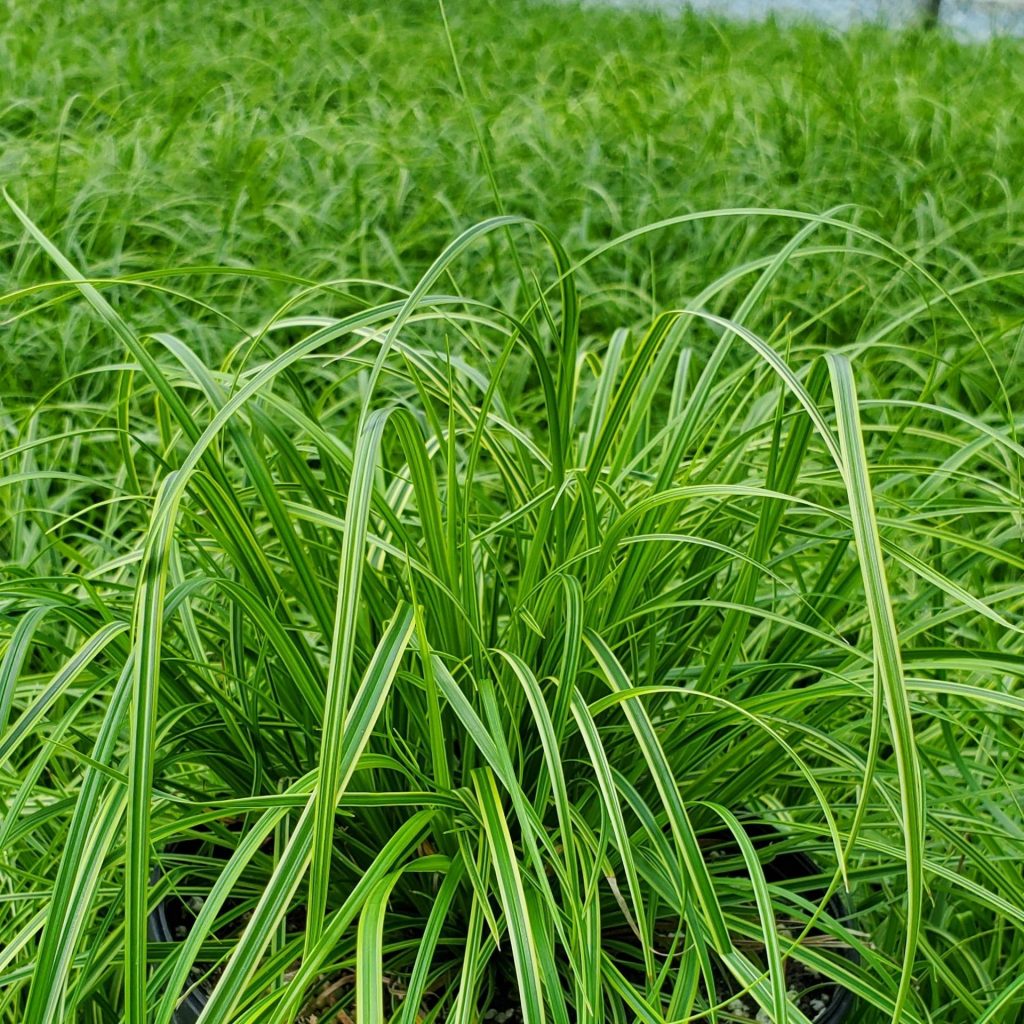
column 443, row 616
column 425, row 654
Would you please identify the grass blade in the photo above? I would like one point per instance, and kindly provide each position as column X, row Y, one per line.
column 889, row 665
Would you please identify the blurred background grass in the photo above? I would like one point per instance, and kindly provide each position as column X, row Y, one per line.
column 331, row 141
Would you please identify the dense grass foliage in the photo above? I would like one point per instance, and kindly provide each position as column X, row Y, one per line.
column 448, row 612
column 329, row 141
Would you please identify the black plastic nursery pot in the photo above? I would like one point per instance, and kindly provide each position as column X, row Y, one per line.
column 827, row 1002
column 169, row 922
column 840, row 1000
column 822, row 1001
column 161, row 929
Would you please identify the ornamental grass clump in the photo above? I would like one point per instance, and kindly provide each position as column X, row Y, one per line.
column 443, row 661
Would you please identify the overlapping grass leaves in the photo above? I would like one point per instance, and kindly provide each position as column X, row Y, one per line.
column 594, row 598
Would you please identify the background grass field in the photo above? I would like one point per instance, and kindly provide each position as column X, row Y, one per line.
column 460, row 582
column 331, row 141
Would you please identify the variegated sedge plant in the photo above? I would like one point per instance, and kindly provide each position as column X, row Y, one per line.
column 420, row 651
